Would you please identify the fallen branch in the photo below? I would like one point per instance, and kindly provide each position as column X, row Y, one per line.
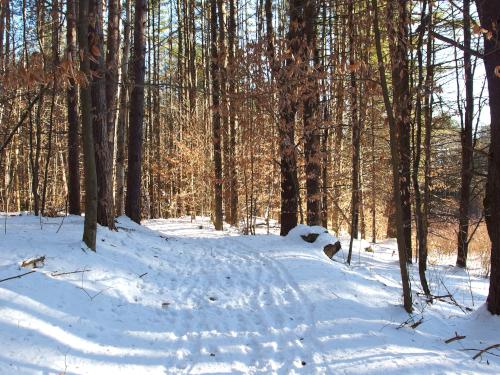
column 54, row 274
column 17, row 277
column 485, row 350
column 455, row 338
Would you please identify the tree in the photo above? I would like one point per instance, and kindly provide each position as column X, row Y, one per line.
column 90, row 225
column 122, row 116
column 73, row 123
column 310, row 98
column 395, row 163
column 216, row 115
column 467, row 146
column 287, row 83
column 398, row 44
column 489, row 15
column 105, row 211
column 133, row 198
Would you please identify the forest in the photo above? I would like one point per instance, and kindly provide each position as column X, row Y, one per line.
column 373, row 119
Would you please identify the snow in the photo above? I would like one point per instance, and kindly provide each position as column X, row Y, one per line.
column 175, row 296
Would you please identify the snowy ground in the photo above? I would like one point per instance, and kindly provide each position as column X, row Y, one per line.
column 178, row 297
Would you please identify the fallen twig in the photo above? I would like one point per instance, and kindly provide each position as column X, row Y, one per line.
column 455, row 338
column 485, row 350
column 17, row 277
column 54, row 274
column 144, row 274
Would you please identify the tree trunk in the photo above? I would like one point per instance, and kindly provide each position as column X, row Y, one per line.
column 73, row 125
column 466, row 142
column 489, row 15
column 286, row 129
column 398, row 41
column 396, row 176
column 123, row 116
column 105, row 214
column 216, row 116
column 90, row 225
column 112, row 48
column 419, row 219
column 310, row 97
column 133, row 199
column 233, row 177
column 355, row 188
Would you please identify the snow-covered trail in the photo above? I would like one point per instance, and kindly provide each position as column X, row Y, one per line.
column 174, row 296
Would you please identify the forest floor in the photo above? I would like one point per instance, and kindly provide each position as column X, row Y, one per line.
column 174, row 296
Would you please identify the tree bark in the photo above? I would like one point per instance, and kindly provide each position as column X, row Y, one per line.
column 467, row 147
column 90, row 225
column 489, row 15
column 105, row 212
column 216, row 116
column 133, row 198
column 73, row 124
column 310, row 97
column 287, row 83
column 398, row 42
column 112, row 48
column 123, row 116
column 396, row 176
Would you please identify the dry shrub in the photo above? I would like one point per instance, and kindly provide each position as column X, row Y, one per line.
column 443, row 245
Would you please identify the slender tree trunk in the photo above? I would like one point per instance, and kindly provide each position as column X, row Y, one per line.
column 398, row 37
column 355, row 188
column 105, row 212
column 133, row 199
column 396, row 175
column 216, row 116
column 112, row 49
column 123, row 116
column 489, row 15
column 286, row 129
column 73, row 124
column 310, row 97
column 467, row 148
column 233, row 176
column 417, row 158
column 90, row 225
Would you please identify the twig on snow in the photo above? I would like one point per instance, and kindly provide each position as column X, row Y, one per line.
column 485, row 350
column 455, row 338
column 17, row 277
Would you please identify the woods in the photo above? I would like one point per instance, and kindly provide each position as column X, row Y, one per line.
column 373, row 119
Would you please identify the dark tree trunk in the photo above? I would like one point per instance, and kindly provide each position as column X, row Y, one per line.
column 90, row 225
column 489, row 15
column 73, row 125
column 133, row 199
column 419, row 214
column 287, row 84
column 396, row 175
column 112, row 48
column 310, row 114
column 401, row 93
column 467, row 148
column 105, row 214
column 216, row 117
column 233, row 177
column 355, row 188
column 123, row 116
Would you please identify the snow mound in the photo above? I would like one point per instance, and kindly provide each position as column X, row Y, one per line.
column 324, row 237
